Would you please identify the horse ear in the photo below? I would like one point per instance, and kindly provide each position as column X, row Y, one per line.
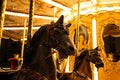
column 96, row 48
column 68, row 25
column 60, row 20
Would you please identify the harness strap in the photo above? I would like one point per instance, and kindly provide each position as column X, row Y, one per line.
column 63, row 70
column 82, row 75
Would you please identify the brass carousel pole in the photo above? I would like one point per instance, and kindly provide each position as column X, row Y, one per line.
column 2, row 16
column 23, row 41
column 22, row 47
column 54, row 14
column 77, row 29
column 30, row 23
column 94, row 37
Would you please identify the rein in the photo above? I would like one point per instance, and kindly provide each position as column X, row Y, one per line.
column 47, row 56
column 81, row 75
column 53, row 37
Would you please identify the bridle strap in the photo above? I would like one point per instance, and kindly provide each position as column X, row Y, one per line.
column 51, row 36
column 82, row 75
column 63, row 70
column 45, row 43
column 47, row 56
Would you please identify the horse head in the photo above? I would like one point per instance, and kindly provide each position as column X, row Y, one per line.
column 59, row 38
column 94, row 57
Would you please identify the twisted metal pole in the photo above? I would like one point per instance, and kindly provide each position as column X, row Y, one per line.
column 2, row 16
column 77, row 28
column 30, row 23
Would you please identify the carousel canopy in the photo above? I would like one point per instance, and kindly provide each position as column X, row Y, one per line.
column 46, row 11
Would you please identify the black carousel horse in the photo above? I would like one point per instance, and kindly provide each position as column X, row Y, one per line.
column 82, row 69
column 38, row 62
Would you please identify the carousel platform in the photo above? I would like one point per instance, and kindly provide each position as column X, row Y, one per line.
column 7, row 73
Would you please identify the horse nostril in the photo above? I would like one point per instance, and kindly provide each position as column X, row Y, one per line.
column 100, row 64
column 71, row 48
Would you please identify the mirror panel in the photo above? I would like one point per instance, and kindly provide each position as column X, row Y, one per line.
column 111, row 38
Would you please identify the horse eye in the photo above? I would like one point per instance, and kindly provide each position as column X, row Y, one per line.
column 66, row 32
column 56, row 30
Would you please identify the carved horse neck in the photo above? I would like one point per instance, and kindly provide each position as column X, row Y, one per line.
column 85, row 67
column 45, row 64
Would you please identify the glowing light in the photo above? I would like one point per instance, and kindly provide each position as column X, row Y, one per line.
column 109, row 8
column 24, row 39
column 55, row 54
column 94, row 2
column 56, row 4
column 67, row 65
column 18, row 28
column 94, row 45
column 94, row 33
column 87, row 8
column 27, row 15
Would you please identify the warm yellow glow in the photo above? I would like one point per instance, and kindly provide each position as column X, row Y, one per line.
column 110, row 8
column 87, row 8
column 24, row 39
column 94, row 45
column 94, row 2
column 19, row 28
column 67, row 65
column 95, row 73
column 54, row 14
column 56, row 4
column 66, row 12
column 55, row 54
column 109, row 2
column 82, row 5
column 94, row 33
column 27, row 15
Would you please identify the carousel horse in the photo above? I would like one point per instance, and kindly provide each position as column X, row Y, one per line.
column 82, row 69
column 38, row 63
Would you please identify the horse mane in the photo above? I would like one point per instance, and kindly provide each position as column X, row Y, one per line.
column 79, row 59
column 38, row 36
column 36, row 40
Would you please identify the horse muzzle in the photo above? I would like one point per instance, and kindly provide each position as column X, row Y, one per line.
column 98, row 65
column 64, row 53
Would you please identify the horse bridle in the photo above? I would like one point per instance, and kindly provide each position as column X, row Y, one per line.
column 53, row 37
